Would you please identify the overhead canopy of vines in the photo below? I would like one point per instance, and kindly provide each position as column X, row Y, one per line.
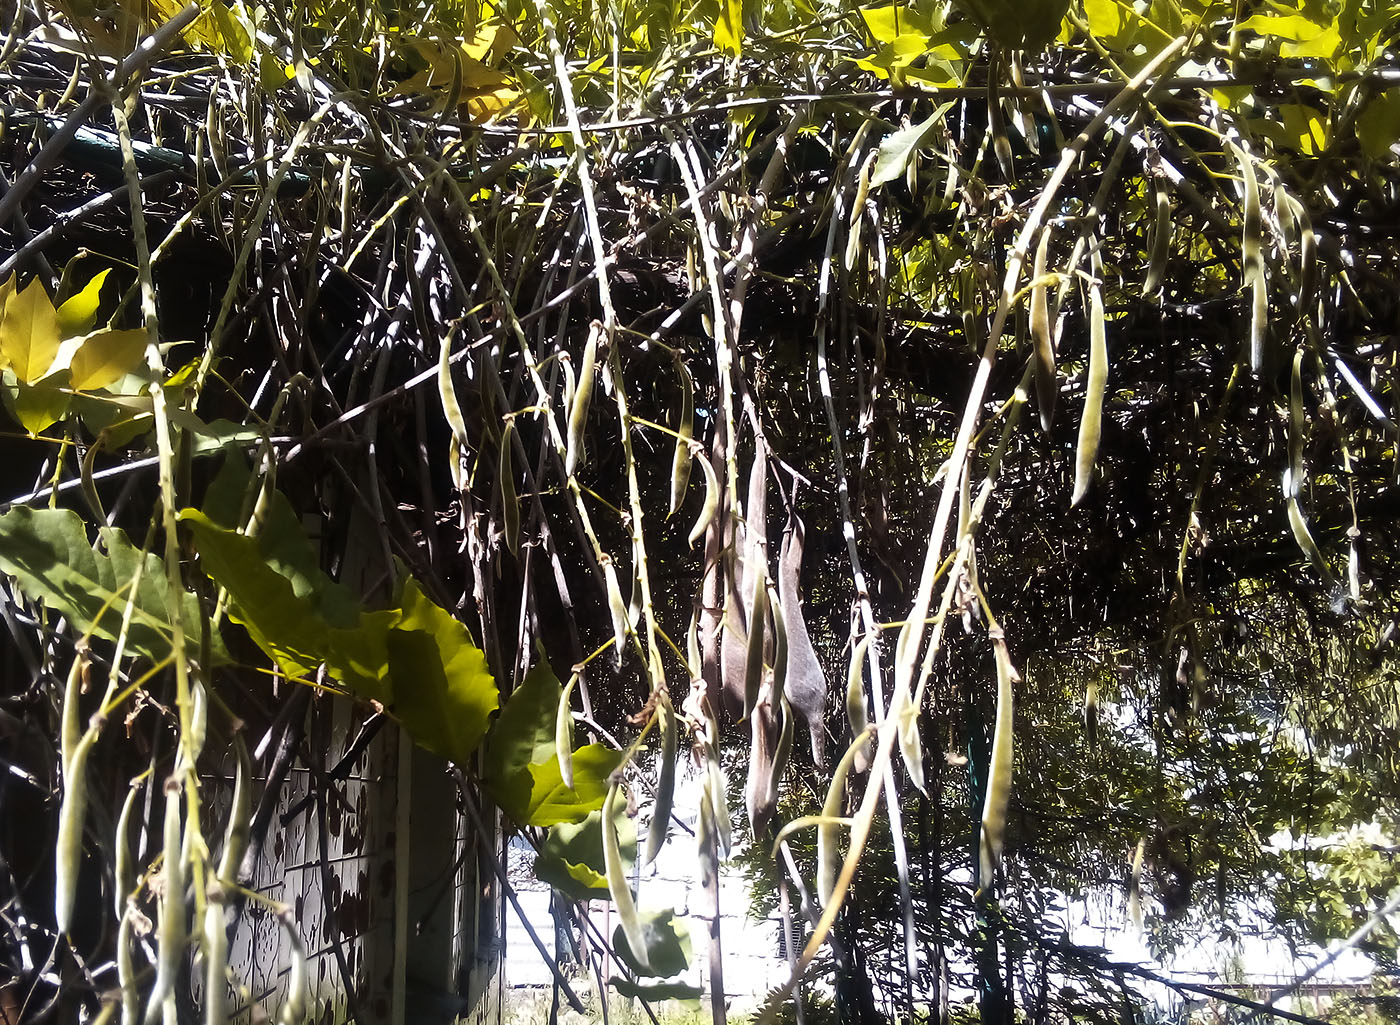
column 967, row 429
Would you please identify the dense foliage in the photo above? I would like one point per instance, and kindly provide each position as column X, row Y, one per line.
column 1043, row 355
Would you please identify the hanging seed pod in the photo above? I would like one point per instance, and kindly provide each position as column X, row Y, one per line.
column 171, row 932
column 706, row 836
column 1293, row 477
column 1135, row 886
column 758, row 801
column 617, row 608
column 68, row 848
column 707, row 511
column 1252, row 253
column 297, row 1003
column 564, row 732
column 782, row 753
column 1047, row 388
column 853, row 227
column 911, row 747
column 665, row 779
column 780, row 648
column 1086, row 451
column 451, row 408
column 855, row 700
column 999, row 776
column 692, row 646
column 1091, row 715
column 714, row 774
column 753, row 662
column 1161, row 237
column 685, row 428
column 510, row 506
column 124, row 874
column 829, row 830
column 583, row 395
column 618, row 889
column 566, row 363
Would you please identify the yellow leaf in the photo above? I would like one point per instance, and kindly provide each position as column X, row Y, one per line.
column 1303, row 128
column 106, row 357
column 79, row 313
column 729, row 27
column 29, row 332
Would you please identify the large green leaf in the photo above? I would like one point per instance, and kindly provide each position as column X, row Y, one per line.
column 49, row 554
column 654, row 991
column 443, row 693
column 1024, row 25
column 668, row 945
column 537, row 796
column 36, row 406
column 524, row 733
column 571, row 857
column 283, row 613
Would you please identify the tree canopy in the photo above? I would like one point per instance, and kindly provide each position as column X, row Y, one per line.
column 1008, row 392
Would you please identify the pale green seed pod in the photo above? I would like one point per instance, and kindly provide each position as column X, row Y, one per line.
column 665, row 779
column 564, row 733
column 999, row 775
column 583, row 395
column 618, row 890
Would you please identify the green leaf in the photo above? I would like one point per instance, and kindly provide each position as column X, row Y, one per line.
column 524, row 733
column 443, row 693
column 654, row 991
column 78, row 313
column 29, row 332
column 1378, row 126
column 49, row 554
column 36, row 406
column 898, row 147
column 668, row 945
column 537, row 796
column 287, row 612
column 571, row 857
column 1023, row 25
